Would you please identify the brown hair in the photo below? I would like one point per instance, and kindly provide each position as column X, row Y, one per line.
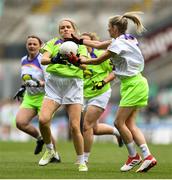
column 36, row 37
column 121, row 21
column 92, row 35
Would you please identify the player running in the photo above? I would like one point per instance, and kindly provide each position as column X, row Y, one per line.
column 96, row 96
column 128, row 60
column 33, row 75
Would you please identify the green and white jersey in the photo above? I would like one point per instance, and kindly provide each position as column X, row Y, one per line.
column 53, row 47
column 99, row 73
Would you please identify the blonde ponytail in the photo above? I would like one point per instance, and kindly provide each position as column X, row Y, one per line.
column 136, row 19
column 121, row 21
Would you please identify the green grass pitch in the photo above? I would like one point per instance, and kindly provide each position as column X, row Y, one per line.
column 17, row 161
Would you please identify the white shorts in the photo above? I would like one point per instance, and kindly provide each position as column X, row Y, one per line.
column 64, row 90
column 99, row 101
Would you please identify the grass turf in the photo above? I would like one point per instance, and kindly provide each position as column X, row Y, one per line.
column 17, row 161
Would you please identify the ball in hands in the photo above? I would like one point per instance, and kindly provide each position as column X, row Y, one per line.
column 68, row 47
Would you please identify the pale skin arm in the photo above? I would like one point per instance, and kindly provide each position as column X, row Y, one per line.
column 83, row 66
column 106, row 55
column 109, row 78
column 46, row 58
column 97, row 44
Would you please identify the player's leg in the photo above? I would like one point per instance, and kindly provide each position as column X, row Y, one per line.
column 105, row 129
column 74, row 113
column 91, row 116
column 149, row 161
column 47, row 110
column 23, row 119
column 123, row 114
column 56, row 158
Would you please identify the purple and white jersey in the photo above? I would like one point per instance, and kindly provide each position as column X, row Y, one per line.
column 36, row 70
column 127, row 58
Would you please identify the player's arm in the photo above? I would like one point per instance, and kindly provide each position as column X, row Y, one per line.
column 100, row 84
column 97, row 44
column 109, row 78
column 91, row 43
column 83, row 66
column 106, row 55
column 46, row 58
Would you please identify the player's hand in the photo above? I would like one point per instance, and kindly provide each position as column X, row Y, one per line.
column 58, row 59
column 76, row 39
column 73, row 59
column 88, row 73
column 98, row 84
column 32, row 83
column 83, row 60
column 19, row 93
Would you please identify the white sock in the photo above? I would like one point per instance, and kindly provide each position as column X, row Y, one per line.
column 80, row 158
column 116, row 132
column 145, row 150
column 86, row 156
column 50, row 146
column 131, row 149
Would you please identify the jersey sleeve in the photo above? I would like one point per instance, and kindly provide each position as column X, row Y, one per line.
column 48, row 46
column 115, row 46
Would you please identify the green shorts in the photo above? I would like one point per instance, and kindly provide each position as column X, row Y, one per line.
column 32, row 101
column 134, row 91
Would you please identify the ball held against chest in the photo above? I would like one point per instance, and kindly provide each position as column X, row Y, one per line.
column 68, row 47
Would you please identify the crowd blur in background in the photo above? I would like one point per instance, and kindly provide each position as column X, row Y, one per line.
column 20, row 18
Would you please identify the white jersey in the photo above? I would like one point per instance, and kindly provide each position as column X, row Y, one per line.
column 127, row 57
column 36, row 70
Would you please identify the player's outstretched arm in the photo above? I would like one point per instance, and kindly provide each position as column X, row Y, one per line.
column 91, row 43
column 97, row 44
column 106, row 55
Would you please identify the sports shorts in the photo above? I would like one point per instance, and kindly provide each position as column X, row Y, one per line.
column 99, row 101
column 32, row 101
column 134, row 91
column 64, row 90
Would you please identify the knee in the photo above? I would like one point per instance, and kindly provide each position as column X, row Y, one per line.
column 44, row 120
column 20, row 124
column 87, row 126
column 118, row 125
column 75, row 129
column 95, row 130
column 131, row 127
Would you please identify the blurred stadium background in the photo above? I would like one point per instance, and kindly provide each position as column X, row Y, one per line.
column 20, row 18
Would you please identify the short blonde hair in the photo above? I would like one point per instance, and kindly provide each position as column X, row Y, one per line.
column 121, row 21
